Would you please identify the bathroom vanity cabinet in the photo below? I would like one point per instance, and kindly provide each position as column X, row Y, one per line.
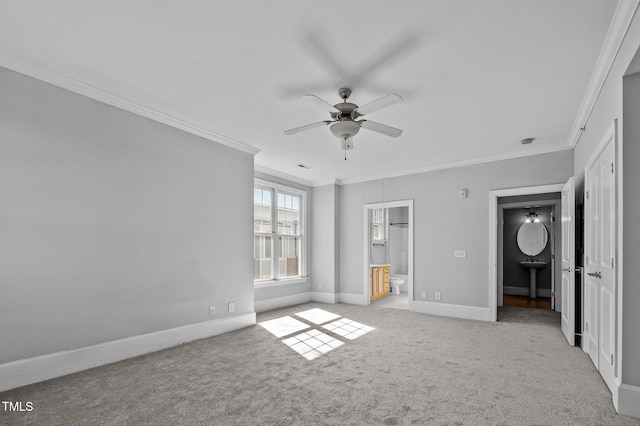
column 379, row 281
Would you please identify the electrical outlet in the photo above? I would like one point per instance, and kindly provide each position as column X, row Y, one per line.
column 212, row 311
column 437, row 295
column 459, row 253
column 424, row 294
column 320, row 286
column 232, row 306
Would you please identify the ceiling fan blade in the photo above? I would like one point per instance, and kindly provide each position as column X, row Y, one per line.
column 307, row 127
column 381, row 128
column 321, row 103
column 385, row 101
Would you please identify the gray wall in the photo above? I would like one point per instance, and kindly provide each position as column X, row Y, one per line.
column 631, row 235
column 608, row 107
column 112, row 225
column 443, row 222
column 325, row 262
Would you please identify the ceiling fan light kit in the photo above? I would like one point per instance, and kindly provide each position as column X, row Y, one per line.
column 344, row 124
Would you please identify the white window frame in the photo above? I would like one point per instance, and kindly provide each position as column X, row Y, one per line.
column 276, row 280
column 383, row 225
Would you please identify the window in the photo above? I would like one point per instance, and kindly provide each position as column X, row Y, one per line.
column 377, row 225
column 278, row 226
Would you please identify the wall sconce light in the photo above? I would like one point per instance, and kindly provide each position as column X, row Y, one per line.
column 531, row 217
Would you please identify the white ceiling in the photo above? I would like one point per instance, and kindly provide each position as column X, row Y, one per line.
column 477, row 76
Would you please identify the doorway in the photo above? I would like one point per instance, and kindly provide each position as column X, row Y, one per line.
column 528, row 273
column 495, row 291
column 377, row 245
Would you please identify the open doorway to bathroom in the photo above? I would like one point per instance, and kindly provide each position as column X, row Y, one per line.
column 388, row 254
column 534, row 198
column 527, row 247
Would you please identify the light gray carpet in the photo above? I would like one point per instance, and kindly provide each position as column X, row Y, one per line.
column 412, row 369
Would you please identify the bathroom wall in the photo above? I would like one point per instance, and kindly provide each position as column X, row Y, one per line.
column 399, row 240
column 516, row 278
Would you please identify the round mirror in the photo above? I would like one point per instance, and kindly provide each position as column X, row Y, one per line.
column 532, row 238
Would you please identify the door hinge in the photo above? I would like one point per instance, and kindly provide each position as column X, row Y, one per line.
column 611, row 167
column 612, row 263
column 611, row 359
column 586, row 326
column 587, row 195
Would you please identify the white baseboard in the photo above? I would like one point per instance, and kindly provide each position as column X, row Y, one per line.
column 628, row 399
column 354, row 299
column 282, row 302
column 37, row 369
column 456, row 311
column 321, row 297
column 524, row 291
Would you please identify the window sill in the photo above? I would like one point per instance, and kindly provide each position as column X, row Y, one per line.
column 277, row 283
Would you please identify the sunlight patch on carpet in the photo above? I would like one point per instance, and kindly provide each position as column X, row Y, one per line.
column 313, row 343
column 317, row 316
column 347, row 328
column 283, row 326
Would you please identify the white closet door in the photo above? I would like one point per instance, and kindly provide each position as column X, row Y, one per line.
column 592, row 254
column 568, row 295
column 600, row 294
column 606, row 278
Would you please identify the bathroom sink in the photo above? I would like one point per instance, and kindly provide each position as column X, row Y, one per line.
column 533, row 264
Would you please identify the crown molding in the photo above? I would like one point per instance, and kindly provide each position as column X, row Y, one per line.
column 622, row 17
column 455, row 164
column 46, row 75
column 281, row 175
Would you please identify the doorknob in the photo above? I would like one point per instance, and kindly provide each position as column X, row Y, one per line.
column 567, row 269
column 595, row 274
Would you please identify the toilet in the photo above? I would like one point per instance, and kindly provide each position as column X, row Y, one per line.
column 396, row 282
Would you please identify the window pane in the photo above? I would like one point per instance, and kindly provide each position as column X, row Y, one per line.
column 262, row 210
column 289, row 214
column 262, row 261
column 289, row 256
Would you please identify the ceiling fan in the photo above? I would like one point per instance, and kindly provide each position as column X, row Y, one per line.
column 344, row 123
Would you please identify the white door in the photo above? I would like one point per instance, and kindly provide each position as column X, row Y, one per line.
column 592, row 254
column 606, row 277
column 568, row 305
column 599, row 262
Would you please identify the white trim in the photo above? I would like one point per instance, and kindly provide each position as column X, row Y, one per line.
column 367, row 246
column 493, row 232
column 626, row 399
column 455, row 311
column 331, row 298
column 282, row 302
column 53, row 77
column 620, row 23
column 453, row 165
column 354, row 299
column 304, row 249
column 32, row 370
column 280, row 282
